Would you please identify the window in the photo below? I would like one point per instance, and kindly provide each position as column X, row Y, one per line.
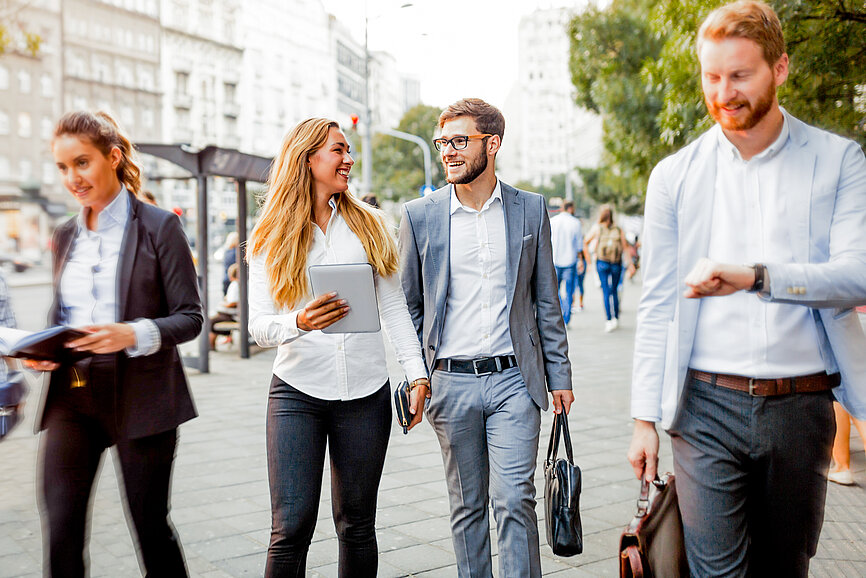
column 230, row 92
column 49, row 173
column 46, row 127
column 4, row 123
column 24, row 81
column 24, row 128
column 4, row 166
column 47, row 85
column 25, row 169
column 181, row 83
column 4, row 78
column 147, row 118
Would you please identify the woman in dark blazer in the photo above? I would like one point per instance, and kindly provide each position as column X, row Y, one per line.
column 123, row 272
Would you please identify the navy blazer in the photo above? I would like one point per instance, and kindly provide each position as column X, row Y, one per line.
column 156, row 280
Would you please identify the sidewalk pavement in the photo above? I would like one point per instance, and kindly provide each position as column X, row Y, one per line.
column 220, row 494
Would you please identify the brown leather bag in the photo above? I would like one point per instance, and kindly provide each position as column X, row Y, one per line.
column 652, row 545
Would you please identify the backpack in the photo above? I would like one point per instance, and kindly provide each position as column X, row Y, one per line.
column 610, row 244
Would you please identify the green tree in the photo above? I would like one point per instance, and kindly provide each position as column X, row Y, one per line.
column 635, row 63
column 609, row 49
column 398, row 165
column 15, row 35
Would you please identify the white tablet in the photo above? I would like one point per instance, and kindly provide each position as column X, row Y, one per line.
column 354, row 283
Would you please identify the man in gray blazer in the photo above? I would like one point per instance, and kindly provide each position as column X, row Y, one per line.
column 741, row 362
column 481, row 288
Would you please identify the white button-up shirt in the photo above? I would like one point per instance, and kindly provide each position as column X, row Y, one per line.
column 88, row 285
column 566, row 235
column 337, row 365
column 476, row 319
column 742, row 334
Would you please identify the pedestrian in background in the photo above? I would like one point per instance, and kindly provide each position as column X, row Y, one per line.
column 610, row 250
column 229, row 256
column 744, row 381
column 7, row 319
column 328, row 389
column 840, row 473
column 123, row 273
column 566, row 236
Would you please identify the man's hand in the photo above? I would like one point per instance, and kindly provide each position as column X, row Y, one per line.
column 711, row 279
column 562, row 398
column 417, row 397
column 109, row 338
column 643, row 454
column 322, row 311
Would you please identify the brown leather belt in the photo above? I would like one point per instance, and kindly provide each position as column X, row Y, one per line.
column 767, row 387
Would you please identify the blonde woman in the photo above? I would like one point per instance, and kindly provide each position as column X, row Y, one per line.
column 610, row 247
column 327, row 389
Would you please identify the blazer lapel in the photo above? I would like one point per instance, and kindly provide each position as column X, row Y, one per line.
column 438, row 214
column 64, row 244
column 127, row 259
column 513, row 207
column 797, row 181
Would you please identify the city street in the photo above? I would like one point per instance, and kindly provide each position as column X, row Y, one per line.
column 220, row 493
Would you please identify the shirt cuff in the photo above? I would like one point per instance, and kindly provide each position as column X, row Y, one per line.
column 147, row 338
column 415, row 369
column 291, row 331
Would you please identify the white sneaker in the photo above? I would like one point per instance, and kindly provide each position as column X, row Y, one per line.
column 842, row 477
column 615, row 323
column 609, row 326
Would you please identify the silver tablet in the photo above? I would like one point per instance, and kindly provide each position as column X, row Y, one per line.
column 354, row 283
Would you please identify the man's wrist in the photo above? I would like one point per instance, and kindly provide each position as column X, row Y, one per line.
column 760, row 275
column 418, row 382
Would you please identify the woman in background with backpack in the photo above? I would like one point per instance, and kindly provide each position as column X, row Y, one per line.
column 610, row 246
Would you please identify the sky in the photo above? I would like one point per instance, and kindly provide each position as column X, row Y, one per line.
column 456, row 48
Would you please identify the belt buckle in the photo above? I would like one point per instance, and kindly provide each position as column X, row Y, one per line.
column 475, row 367
column 752, row 387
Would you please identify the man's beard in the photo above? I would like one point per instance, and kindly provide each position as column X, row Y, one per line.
column 756, row 113
column 473, row 170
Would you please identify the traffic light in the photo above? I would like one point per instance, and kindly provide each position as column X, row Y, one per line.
column 354, row 118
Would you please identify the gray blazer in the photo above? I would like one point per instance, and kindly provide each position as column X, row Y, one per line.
column 532, row 300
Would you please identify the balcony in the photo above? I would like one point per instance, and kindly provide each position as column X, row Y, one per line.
column 231, row 109
column 183, row 101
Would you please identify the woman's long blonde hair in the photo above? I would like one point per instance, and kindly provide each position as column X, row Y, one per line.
column 284, row 232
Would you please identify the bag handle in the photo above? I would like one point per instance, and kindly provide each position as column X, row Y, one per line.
column 560, row 422
column 643, row 498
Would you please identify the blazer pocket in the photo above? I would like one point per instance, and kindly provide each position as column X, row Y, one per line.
column 533, row 336
column 841, row 312
column 527, row 240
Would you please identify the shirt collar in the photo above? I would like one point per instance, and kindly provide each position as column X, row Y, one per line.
column 116, row 213
column 456, row 204
column 777, row 145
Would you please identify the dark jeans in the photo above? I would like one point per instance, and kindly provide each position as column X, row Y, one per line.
column 609, row 274
column 80, row 426
column 567, row 275
column 751, row 479
column 356, row 433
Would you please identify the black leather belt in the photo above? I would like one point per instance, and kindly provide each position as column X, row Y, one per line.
column 478, row 366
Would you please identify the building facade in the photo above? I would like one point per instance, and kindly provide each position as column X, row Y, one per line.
column 549, row 134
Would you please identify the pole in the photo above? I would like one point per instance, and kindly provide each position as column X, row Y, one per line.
column 243, row 280
column 425, row 148
column 202, row 249
column 367, row 150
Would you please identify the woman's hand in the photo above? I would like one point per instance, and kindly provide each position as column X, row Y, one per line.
column 321, row 312
column 109, row 338
column 417, row 397
column 40, row 365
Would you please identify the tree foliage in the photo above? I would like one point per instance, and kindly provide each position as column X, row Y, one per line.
column 15, row 36
column 634, row 62
column 398, row 165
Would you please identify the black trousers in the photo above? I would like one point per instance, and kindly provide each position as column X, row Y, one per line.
column 751, row 479
column 356, row 433
column 80, row 426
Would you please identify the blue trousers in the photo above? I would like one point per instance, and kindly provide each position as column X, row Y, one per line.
column 751, row 479
column 567, row 275
column 609, row 274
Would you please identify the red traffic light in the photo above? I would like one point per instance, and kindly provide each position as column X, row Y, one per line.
column 354, row 118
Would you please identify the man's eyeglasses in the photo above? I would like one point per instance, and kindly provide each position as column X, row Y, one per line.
column 458, row 142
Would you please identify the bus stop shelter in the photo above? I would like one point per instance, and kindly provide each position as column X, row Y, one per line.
column 213, row 161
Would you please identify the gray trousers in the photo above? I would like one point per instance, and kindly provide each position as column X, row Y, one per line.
column 751, row 479
column 488, row 430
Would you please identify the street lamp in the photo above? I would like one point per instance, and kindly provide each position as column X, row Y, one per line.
column 367, row 137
